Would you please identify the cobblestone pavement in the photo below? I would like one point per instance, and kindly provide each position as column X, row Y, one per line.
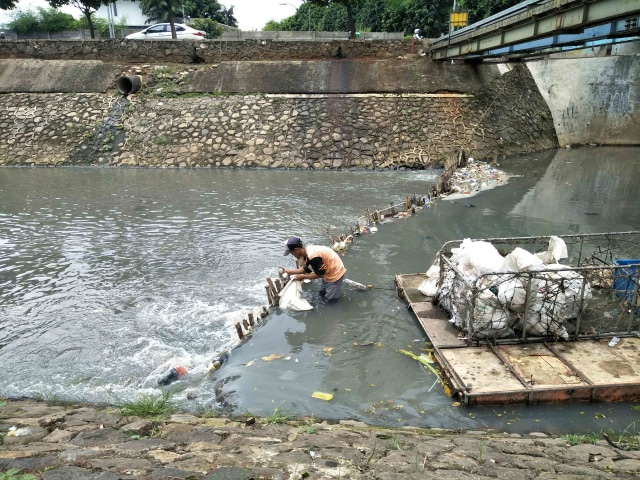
column 63, row 442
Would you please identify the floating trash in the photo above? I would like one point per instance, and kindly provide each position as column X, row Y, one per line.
column 322, row 396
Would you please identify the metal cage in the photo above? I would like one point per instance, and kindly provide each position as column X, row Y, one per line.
column 594, row 293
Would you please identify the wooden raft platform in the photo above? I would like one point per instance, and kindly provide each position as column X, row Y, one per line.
column 525, row 373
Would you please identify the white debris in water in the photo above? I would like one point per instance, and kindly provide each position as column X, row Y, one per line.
column 475, row 177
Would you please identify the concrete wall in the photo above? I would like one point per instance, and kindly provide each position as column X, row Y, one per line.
column 235, row 34
column 359, row 75
column 592, row 100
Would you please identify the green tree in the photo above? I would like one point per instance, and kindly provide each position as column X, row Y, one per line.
column 8, row 4
column 87, row 7
column 370, row 16
column 480, row 9
column 210, row 9
column 162, row 11
column 24, row 21
column 43, row 20
column 305, row 18
column 101, row 25
column 227, row 17
column 52, row 20
column 271, row 26
column 431, row 18
column 349, row 5
column 207, row 25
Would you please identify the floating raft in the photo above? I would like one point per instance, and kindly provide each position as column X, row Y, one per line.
column 525, row 373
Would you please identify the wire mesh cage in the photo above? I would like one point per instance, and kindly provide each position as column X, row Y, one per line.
column 508, row 290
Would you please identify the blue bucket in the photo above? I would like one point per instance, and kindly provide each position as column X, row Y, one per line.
column 624, row 280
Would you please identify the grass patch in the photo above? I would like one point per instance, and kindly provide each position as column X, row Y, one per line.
column 309, row 426
column 148, row 406
column 278, row 417
column 208, row 412
column 14, row 474
column 627, row 439
column 482, row 452
column 575, row 439
column 163, row 139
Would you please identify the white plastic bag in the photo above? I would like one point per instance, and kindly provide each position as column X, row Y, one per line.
column 291, row 297
column 520, row 260
column 490, row 318
column 557, row 251
column 429, row 286
column 512, row 294
column 477, row 256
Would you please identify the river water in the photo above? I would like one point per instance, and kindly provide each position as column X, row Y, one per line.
column 108, row 277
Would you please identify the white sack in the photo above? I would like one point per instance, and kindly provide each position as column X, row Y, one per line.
column 429, row 286
column 558, row 293
column 481, row 257
column 291, row 297
column 520, row 260
column 540, row 324
column 451, row 293
column 557, row 251
column 490, row 318
column 512, row 294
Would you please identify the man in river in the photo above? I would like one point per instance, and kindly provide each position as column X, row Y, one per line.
column 317, row 262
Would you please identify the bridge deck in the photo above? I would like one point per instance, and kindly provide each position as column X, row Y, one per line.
column 539, row 19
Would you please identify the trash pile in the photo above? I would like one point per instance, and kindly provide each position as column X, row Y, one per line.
column 476, row 176
column 485, row 293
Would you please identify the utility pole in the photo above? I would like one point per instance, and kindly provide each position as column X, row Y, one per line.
column 454, row 9
column 110, row 20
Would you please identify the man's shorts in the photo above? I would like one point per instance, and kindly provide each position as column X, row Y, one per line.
column 331, row 290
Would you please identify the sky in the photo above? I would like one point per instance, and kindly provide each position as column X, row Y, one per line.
column 251, row 14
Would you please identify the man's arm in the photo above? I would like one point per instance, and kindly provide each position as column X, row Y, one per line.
column 314, row 269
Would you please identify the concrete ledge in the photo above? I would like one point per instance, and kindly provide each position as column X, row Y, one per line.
column 57, row 76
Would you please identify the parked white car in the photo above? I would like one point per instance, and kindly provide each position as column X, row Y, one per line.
column 162, row 31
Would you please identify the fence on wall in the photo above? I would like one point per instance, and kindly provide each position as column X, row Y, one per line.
column 226, row 35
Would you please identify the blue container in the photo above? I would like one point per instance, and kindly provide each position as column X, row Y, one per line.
column 624, row 280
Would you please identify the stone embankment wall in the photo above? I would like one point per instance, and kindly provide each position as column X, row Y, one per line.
column 508, row 116
column 206, row 51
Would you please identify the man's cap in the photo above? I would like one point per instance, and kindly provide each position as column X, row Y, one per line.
column 293, row 242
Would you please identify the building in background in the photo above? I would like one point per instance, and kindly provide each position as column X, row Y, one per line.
column 124, row 8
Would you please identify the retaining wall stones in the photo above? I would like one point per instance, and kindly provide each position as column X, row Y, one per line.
column 506, row 117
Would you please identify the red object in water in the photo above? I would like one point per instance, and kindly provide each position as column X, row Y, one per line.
column 181, row 371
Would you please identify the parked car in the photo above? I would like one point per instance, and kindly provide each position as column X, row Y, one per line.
column 162, row 31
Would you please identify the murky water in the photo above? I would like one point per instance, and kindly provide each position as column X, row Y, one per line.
column 108, row 277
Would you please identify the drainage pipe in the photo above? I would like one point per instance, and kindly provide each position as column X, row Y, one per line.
column 128, row 84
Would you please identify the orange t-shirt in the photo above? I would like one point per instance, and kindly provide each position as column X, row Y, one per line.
column 331, row 262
